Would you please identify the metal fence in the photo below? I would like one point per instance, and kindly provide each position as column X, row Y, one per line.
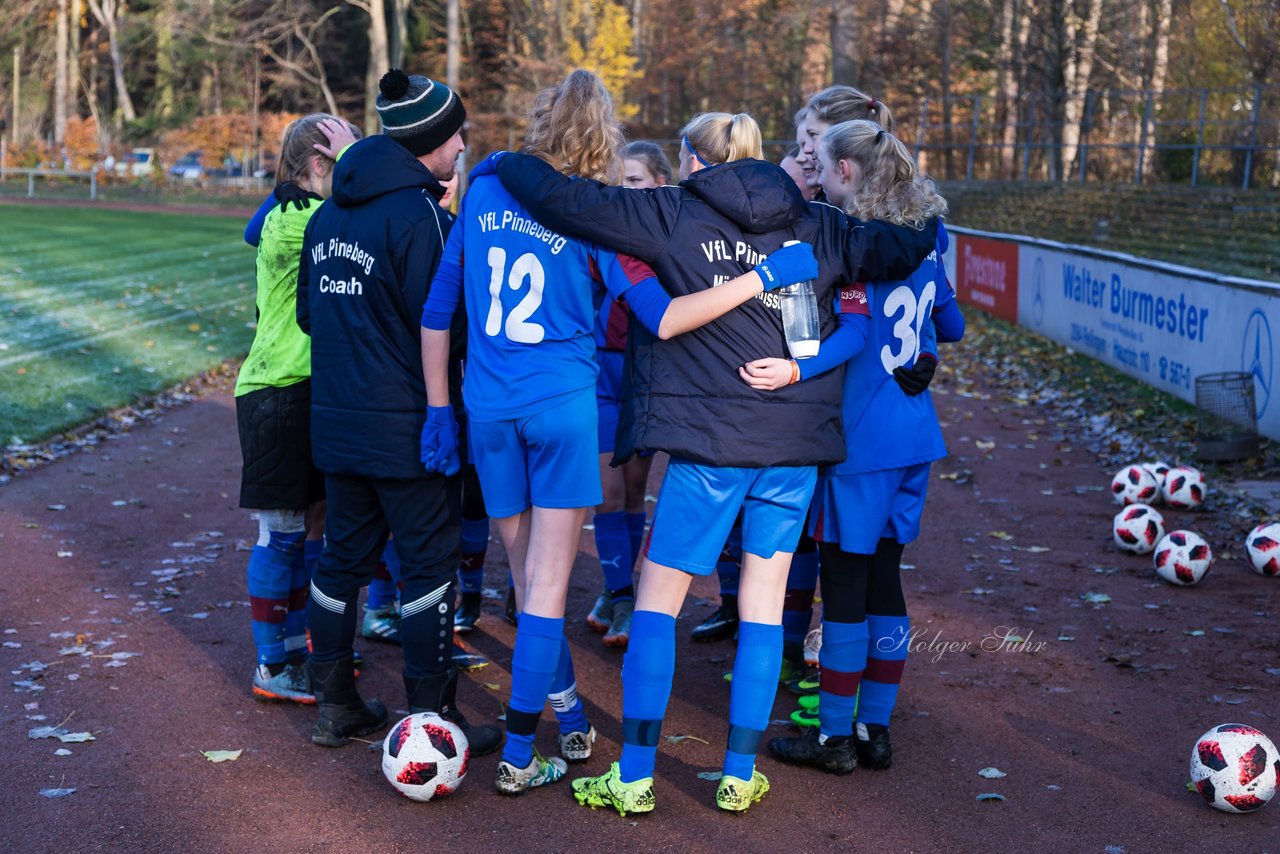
column 1186, row 136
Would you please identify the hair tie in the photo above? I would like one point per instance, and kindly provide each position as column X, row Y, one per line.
column 694, row 151
column 871, row 103
column 879, row 136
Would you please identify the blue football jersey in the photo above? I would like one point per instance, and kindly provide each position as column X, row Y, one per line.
column 884, row 427
column 532, row 298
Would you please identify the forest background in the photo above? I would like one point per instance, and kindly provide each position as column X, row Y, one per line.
column 222, row 77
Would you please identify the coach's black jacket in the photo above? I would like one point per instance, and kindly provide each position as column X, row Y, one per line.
column 367, row 261
column 685, row 394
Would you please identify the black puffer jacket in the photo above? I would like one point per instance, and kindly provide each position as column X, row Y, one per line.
column 368, row 258
column 686, row 397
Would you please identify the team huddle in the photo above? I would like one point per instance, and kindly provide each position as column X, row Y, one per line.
column 417, row 377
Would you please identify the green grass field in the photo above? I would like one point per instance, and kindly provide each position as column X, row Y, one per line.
column 99, row 307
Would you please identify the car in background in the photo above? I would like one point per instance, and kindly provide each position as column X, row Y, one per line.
column 138, row 163
column 188, row 166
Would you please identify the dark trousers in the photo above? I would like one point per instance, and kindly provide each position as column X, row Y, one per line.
column 423, row 516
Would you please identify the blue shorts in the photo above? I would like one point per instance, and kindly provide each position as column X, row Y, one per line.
column 856, row 511
column 548, row 459
column 608, row 397
column 697, row 506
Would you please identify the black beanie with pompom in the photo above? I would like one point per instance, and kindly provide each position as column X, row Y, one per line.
column 420, row 113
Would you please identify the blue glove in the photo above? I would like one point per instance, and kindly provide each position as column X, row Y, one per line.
column 439, row 449
column 788, row 265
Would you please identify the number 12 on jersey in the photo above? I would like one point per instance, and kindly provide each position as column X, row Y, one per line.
column 518, row 328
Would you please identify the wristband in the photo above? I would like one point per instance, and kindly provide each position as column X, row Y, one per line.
column 795, row 372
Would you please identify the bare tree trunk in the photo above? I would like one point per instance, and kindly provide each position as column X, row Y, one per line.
column 166, row 18
column 60, row 78
column 1075, row 77
column 379, row 63
column 1159, row 72
column 944, row 56
column 73, row 66
column 1008, row 106
column 107, row 11
column 844, row 57
column 453, row 44
column 399, row 33
column 817, row 56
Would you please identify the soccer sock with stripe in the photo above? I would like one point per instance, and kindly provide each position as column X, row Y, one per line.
column 755, row 682
column 270, row 579
column 647, row 671
column 563, row 696
column 533, row 669
column 842, row 659
column 635, row 534
column 295, row 622
column 475, row 542
column 797, row 608
column 383, row 589
column 886, row 658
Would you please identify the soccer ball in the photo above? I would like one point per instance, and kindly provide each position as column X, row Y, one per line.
column 1134, row 485
column 1235, row 768
column 1182, row 558
column 1263, row 545
column 1158, row 469
column 425, row 756
column 1183, row 488
column 1137, row 528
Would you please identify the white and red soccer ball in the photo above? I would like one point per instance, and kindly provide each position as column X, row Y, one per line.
column 1158, row 469
column 425, row 756
column 1134, row 485
column 1182, row 558
column 1235, row 768
column 1263, row 546
column 1183, row 488
column 1138, row 528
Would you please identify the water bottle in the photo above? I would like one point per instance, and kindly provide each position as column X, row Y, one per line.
column 800, row 317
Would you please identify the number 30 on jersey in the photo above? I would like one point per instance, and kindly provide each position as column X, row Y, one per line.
column 518, row 328
column 907, row 327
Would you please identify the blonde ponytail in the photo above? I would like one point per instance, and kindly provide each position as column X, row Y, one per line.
column 721, row 137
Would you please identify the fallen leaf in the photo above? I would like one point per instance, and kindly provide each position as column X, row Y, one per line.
column 55, row 507
column 62, row 751
column 985, row 446
column 1095, row 598
column 492, row 686
column 991, row 796
column 57, row 793
column 222, row 755
column 676, row 739
column 61, row 733
column 1001, row 535
column 710, row 775
column 992, row 773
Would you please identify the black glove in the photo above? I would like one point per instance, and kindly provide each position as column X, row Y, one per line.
column 287, row 191
column 916, row 379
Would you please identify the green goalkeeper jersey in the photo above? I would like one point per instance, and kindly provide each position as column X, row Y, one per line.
column 281, row 352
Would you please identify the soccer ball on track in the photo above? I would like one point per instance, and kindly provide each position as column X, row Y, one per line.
column 1235, row 768
column 1138, row 528
column 1182, row 558
column 1158, row 469
column 1183, row 488
column 1263, row 545
column 1134, row 485
column 425, row 756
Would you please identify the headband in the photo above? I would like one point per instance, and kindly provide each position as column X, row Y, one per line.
column 694, row 152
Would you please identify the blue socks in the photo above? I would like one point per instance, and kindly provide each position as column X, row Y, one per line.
column 270, row 578
column 475, row 542
column 843, row 657
column 755, row 682
column 890, row 637
column 563, row 696
column 533, row 669
column 635, row 533
column 647, row 671
column 797, row 608
column 383, row 590
column 613, row 544
column 729, row 567
column 295, row 622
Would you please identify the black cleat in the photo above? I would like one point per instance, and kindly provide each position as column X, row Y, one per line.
column 343, row 715
column 468, row 613
column 875, row 750
column 836, row 756
column 722, row 623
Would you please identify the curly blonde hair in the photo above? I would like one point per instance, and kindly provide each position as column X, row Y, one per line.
column 573, row 128
column 892, row 189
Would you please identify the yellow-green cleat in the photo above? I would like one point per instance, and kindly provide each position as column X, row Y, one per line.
column 608, row 790
column 736, row 795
